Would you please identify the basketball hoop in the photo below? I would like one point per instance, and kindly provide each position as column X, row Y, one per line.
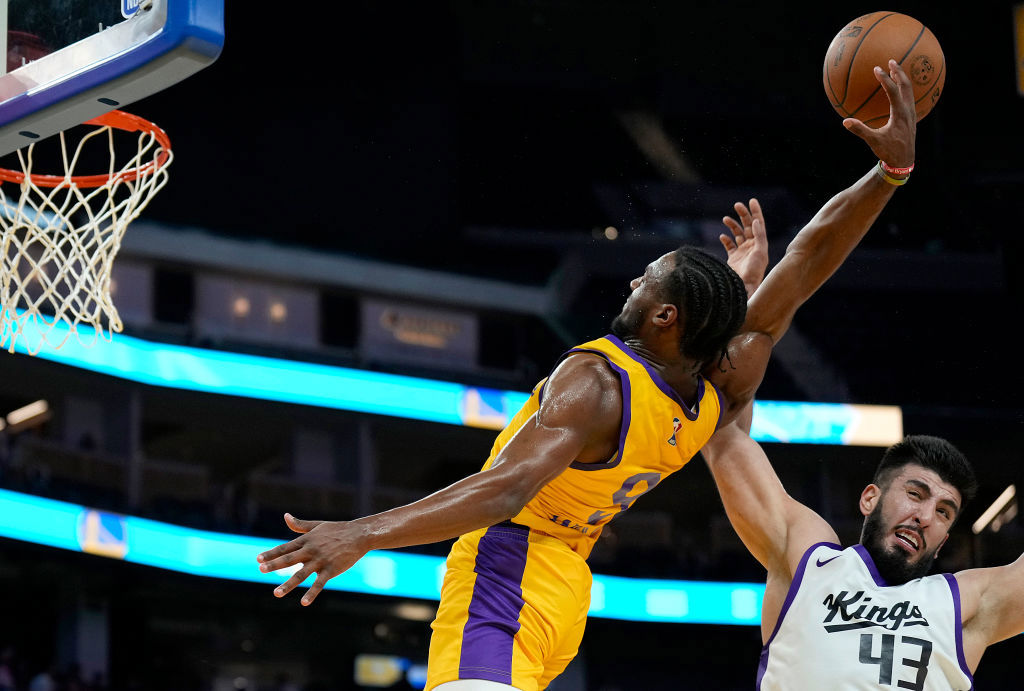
column 59, row 234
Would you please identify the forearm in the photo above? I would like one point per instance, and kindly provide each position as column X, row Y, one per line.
column 752, row 496
column 816, row 253
column 474, row 502
column 837, row 229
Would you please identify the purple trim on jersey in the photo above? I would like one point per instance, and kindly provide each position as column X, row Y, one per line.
column 870, row 563
column 798, row 578
column 627, row 414
column 691, row 415
column 487, row 638
column 721, row 404
column 954, row 587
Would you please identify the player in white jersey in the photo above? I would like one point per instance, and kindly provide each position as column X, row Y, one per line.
column 868, row 616
column 843, row 626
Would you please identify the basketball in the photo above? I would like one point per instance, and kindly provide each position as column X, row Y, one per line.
column 871, row 40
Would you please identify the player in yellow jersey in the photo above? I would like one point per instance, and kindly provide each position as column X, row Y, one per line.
column 612, row 420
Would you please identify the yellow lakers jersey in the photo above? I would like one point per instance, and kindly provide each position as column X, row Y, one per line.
column 659, row 434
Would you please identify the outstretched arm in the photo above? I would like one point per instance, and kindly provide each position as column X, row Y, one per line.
column 821, row 246
column 774, row 527
column 992, row 606
column 581, row 411
column 825, row 242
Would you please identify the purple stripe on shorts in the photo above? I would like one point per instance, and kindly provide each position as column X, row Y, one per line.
column 487, row 639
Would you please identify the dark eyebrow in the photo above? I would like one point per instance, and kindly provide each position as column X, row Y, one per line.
column 928, row 490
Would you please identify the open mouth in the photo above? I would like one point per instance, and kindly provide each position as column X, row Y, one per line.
column 909, row 539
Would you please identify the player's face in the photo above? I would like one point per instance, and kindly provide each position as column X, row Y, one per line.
column 907, row 522
column 644, row 291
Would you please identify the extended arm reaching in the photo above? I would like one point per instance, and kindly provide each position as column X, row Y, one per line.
column 820, row 247
column 992, row 601
column 581, row 409
column 774, row 527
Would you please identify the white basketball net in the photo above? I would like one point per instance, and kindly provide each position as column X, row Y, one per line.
column 58, row 243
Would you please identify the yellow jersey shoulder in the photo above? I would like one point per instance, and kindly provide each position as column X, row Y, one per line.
column 659, row 433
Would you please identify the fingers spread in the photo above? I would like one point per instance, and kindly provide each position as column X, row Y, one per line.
column 898, row 74
column 744, row 214
column 269, row 561
column 314, row 589
column 886, row 79
column 759, row 231
column 755, row 207
column 281, row 563
column 298, row 525
column 275, row 552
column 858, row 128
column 297, row 578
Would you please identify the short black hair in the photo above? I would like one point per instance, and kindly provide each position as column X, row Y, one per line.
column 936, row 454
column 712, row 300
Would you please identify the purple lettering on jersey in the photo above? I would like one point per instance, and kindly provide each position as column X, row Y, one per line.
column 494, row 608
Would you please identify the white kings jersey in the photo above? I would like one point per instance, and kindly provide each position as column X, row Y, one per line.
column 842, row 628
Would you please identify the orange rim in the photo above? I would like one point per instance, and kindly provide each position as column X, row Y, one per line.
column 117, row 119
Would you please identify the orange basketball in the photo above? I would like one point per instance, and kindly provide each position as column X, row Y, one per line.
column 873, row 39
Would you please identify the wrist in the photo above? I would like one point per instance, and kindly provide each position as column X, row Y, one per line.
column 896, row 171
column 368, row 535
column 891, row 175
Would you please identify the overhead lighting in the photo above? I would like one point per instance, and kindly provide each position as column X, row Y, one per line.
column 415, row 612
column 278, row 312
column 1002, row 510
column 240, row 307
column 33, row 414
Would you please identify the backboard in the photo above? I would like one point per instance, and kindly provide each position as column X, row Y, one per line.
column 69, row 61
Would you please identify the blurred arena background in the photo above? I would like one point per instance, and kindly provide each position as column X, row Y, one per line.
column 459, row 192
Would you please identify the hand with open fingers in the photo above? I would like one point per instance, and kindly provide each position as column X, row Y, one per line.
column 894, row 142
column 326, row 548
column 746, row 244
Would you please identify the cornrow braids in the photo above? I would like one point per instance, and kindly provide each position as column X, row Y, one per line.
column 713, row 301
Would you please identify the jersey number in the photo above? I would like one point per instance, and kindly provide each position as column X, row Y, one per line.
column 884, row 660
column 622, row 496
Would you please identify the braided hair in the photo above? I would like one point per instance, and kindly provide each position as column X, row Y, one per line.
column 713, row 301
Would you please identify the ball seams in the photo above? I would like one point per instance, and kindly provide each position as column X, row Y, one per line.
column 853, row 56
column 900, row 61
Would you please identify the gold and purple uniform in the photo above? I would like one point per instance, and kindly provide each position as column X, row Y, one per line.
column 515, row 596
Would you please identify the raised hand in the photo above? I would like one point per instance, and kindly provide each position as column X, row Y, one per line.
column 325, row 548
column 894, row 142
column 746, row 244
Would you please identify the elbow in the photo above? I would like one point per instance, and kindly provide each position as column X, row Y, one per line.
column 512, row 502
column 515, row 496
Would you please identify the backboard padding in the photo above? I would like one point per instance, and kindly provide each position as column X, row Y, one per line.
column 160, row 44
